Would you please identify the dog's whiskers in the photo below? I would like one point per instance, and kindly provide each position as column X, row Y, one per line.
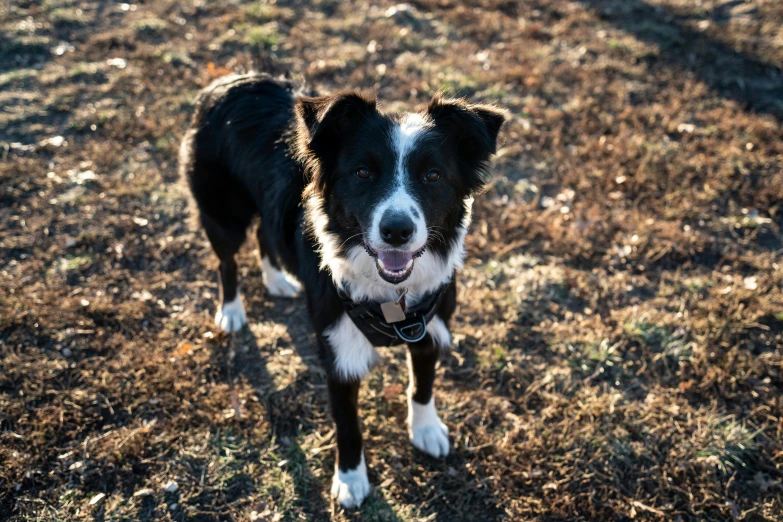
column 437, row 237
column 353, row 236
column 434, row 234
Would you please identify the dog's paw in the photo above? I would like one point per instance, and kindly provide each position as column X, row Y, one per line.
column 277, row 282
column 432, row 439
column 282, row 286
column 426, row 431
column 231, row 316
column 351, row 487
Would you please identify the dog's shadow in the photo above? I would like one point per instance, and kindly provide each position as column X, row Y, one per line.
column 292, row 391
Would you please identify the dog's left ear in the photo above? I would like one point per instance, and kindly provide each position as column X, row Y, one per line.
column 474, row 130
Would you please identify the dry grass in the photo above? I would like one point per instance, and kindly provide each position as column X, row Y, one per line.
column 620, row 329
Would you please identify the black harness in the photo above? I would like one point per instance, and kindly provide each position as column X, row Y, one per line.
column 370, row 319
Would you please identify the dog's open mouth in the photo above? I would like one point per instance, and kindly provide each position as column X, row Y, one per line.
column 394, row 266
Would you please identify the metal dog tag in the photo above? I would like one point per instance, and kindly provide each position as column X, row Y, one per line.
column 394, row 311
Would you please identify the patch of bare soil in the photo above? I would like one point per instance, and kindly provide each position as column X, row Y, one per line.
column 618, row 345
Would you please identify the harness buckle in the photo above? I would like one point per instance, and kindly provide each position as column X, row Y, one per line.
column 412, row 332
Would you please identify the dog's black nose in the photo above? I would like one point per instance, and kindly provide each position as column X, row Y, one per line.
column 396, row 228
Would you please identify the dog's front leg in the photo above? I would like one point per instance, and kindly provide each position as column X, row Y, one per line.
column 425, row 428
column 349, row 485
column 349, row 357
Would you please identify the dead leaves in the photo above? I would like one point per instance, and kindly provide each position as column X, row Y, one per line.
column 184, row 349
column 214, row 72
column 390, row 393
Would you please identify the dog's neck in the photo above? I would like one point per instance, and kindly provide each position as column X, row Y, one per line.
column 354, row 271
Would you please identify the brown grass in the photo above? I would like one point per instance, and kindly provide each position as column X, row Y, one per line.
column 620, row 330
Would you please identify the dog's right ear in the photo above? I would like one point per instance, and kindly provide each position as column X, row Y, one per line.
column 321, row 123
column 307, row 110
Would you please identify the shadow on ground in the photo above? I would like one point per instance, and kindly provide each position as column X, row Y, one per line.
column 739, row 76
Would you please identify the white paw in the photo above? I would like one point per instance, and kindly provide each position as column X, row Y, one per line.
column 426, row 430
column 351, row 487
column 432, row 439
column 231, row 316
column 277, row 282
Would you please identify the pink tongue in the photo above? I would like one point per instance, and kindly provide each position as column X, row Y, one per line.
column 395, row 260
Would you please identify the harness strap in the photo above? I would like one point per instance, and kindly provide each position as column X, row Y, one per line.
column 369, row 319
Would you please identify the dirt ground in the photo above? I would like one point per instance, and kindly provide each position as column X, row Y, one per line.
column 619, row 343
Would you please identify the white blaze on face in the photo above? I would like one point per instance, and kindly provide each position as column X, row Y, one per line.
column 356, row 267
column 399, row 201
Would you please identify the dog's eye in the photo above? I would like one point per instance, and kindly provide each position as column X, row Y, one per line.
column 432, row 176
column 362, row 173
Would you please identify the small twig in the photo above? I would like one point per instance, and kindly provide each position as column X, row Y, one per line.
column 641, row 506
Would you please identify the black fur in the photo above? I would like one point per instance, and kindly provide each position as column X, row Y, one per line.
column 256, row 148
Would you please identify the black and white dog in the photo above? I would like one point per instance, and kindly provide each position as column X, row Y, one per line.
column 367, row 211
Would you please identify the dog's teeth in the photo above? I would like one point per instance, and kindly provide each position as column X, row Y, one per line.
column 409, row 265
column 380, row 264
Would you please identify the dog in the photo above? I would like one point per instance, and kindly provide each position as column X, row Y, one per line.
column 365, row 211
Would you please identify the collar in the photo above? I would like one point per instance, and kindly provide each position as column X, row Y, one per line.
column 370, row 320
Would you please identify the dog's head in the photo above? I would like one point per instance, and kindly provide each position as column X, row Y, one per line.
column 395, row 185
